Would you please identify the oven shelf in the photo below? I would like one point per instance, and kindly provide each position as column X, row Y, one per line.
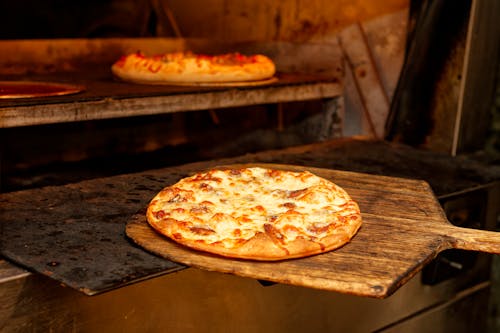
column 105, row 98
column 87, row 62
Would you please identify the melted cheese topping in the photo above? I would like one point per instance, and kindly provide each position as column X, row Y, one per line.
column 229, row 205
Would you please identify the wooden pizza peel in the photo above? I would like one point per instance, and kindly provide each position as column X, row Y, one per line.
column 404, row 227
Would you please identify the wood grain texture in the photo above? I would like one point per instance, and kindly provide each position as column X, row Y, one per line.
column 294, row 20
column 9, row 272
column 367, row 79
column 479, row 77
column 107, row 99
column 403, row 228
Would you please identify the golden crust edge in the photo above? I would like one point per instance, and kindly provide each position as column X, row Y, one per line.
column 261, row 247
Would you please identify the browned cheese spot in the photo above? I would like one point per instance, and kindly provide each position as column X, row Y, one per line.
column 297, row 193
column 289, row 205
column 275, row 235
column 202, row 231
column 159, row 214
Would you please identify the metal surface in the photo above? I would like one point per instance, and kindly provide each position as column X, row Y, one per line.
column 81, row 244
column 195, row 300
column 36, row 89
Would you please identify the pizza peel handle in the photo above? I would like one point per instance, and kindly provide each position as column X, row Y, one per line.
column 471, row 239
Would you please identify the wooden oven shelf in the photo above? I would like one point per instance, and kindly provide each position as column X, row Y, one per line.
column 87, row 62
column 106, row 98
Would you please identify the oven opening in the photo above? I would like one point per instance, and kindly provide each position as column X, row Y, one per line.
column 402, row 88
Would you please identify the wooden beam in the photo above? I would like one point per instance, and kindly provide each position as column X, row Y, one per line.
column 478, row 82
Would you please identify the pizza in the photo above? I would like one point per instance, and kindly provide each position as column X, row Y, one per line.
column 188, row 67
column 255, row 213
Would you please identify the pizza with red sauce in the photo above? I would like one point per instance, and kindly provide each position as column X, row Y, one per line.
column 256, row 213
column 188, row 67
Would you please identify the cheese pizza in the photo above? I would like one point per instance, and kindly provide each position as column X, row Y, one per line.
column 188, row 67
column 255, row 213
